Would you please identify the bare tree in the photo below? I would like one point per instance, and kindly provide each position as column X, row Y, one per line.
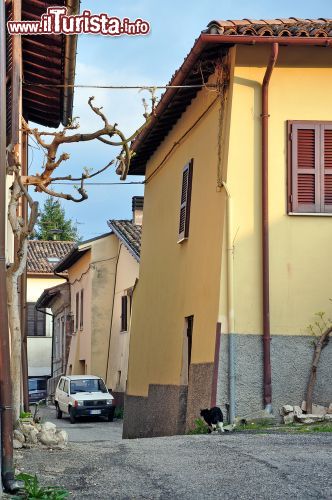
column 319, row 346
column 50, row 142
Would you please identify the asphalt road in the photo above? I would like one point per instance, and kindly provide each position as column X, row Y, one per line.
column 98, row 464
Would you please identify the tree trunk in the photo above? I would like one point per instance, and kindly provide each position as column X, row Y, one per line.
column 14, row 317
column 321, row 343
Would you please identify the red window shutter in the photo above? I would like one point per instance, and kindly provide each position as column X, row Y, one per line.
column 305, row 168
column 326, row 178
column 185, row 201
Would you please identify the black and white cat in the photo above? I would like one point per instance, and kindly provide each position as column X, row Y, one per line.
column 214, row 418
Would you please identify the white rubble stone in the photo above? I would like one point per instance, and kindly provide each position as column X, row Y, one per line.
column 48, row 426
column 26, row 428
column 297, row 410
column 48, row 438
column 17, row 445
column 30, row 433
column 330, row 409
column 309, row 418
column 289, row 418
column 62, row 437
column 328, row 417
column 47, row 435
column 286, row 409
column 304, row 406
column 19, row 436
column 319, row 410
column 33, row 436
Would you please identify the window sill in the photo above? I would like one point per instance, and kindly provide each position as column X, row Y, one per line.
column 311, row 214
column 123, row 331
column 182, row 240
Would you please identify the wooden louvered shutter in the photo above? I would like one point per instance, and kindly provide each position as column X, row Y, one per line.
column 326, row 163
column 30, row 319
column 305, row 168
column 185, row 201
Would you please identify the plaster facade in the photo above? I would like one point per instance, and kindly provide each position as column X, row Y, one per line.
column 178, row 280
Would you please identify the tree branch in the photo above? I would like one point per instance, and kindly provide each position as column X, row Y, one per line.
column 84, row 176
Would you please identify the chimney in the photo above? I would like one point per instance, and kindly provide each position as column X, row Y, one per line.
column 137, row 204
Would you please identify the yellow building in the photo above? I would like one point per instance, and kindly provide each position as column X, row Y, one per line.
column 102, row 274
column 236, row 245
column 42, row 257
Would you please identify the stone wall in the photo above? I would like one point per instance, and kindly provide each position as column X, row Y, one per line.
column 291, row 358
column 169, row 409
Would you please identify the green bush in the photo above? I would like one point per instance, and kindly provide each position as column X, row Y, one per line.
column 118, row 412
column 200, row 427
column 25, row 414
column 33, row 490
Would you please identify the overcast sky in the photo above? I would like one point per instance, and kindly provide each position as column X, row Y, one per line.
column 145, row 60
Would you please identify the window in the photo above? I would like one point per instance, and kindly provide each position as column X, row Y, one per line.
column 124, row 313
column 66, row 387
column 36, row 321
column 81, row 312
column 77, row 310
column 187, row 175
column 310, row 167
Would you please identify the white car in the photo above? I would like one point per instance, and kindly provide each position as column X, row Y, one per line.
column 83, row 396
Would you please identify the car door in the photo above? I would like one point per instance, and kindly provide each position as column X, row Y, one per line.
column 66, row 397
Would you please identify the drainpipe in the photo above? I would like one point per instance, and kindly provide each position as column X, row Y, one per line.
column 7, row 468
column 6, row 410
column 230, row 305
column 267, row 390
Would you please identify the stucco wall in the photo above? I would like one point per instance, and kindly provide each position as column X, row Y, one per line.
column 127, row 272
column 40, row 348
column 80, row 347
column 39, row 356
column 104, row 255
column 300, row 245
column 94, row 272
column 291, row 358
column 178, row 280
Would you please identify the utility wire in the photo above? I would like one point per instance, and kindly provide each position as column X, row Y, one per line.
column 119, row 87
column 96, row 183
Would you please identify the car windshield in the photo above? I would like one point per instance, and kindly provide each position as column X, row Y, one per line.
column 37, row 385
column 87, row 385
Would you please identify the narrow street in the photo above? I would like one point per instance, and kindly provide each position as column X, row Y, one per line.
column 98, row 464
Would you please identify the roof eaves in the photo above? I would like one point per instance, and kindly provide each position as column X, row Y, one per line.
column 73, row 7
column 124, row 240
column 75, row 254
column 230, row 33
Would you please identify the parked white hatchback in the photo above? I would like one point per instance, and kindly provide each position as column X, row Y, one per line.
column 83, row 396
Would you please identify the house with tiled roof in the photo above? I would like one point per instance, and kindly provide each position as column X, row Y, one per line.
column 102, row 273
column 236, row 248
column 42, row 257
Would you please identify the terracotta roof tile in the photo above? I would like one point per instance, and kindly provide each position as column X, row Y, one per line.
column 43, row 256
column 293, row 26
column 174, row 102
column 130, row 234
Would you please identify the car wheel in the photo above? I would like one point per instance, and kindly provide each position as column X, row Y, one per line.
column 58, row 411
column 72, row 416
column 110, row 417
